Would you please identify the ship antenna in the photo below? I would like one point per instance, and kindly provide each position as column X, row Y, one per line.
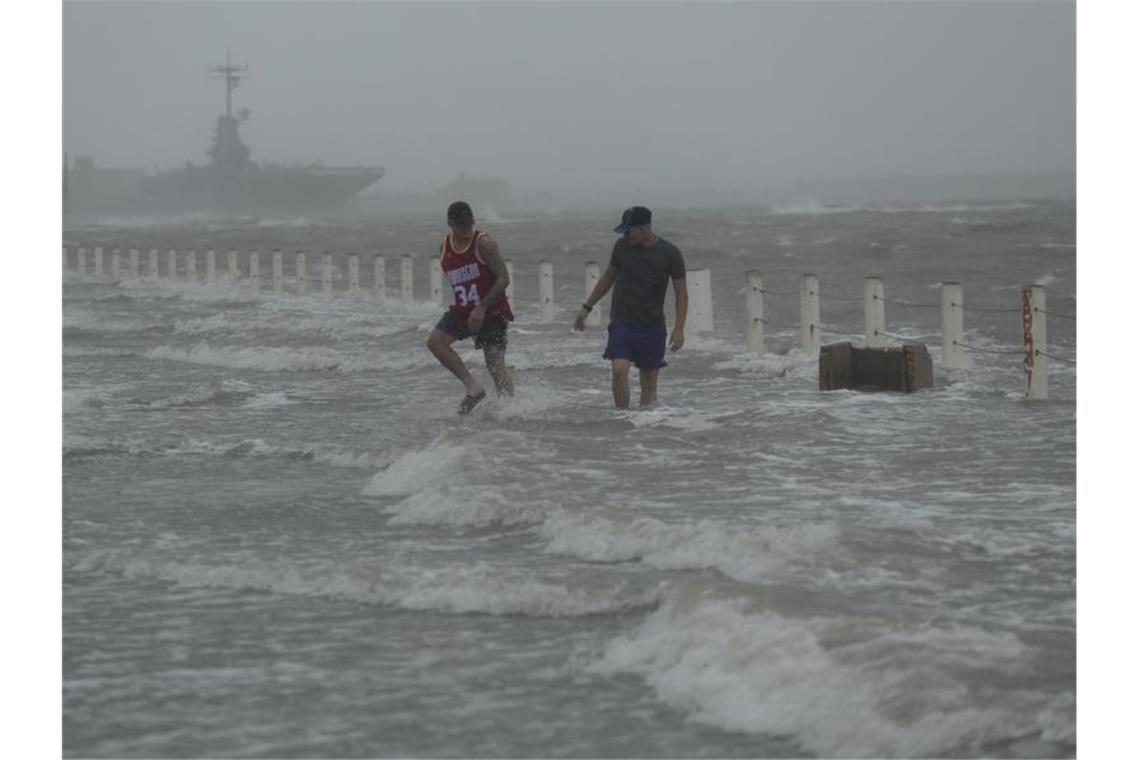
column 233, row 75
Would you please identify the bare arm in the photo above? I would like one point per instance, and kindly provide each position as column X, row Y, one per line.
column 603, row 285
column 605, row 282
column 489, row 249
column 681, row 292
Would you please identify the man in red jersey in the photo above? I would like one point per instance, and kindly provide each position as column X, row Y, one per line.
column 478, row 278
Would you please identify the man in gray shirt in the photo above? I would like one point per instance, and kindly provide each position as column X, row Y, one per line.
column 641, row 265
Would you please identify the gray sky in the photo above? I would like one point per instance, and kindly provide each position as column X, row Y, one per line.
column 584, row 95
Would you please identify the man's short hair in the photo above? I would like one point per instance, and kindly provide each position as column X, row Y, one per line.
column 460, row 213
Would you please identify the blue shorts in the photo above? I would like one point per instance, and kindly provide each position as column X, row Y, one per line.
column 644, row 345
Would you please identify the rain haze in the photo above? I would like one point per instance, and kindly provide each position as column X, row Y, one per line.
column 783, row 465
column 587, row 101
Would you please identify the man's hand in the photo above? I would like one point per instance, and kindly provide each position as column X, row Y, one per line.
column 677, row 339
column 475, row 320
column 580, row 320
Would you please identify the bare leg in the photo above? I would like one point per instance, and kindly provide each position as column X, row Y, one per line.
column 496, row 363
column 439, row 343
column 648, row 378
column 621, row 383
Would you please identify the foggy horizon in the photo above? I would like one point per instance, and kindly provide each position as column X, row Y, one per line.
column 580, row 99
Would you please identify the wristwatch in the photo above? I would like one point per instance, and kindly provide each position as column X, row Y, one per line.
column 587, row 307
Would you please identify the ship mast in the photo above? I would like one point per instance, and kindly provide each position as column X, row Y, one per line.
column 233, row 75
column 227, row 150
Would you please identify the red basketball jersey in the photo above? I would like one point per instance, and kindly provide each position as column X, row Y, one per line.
column 470, row 277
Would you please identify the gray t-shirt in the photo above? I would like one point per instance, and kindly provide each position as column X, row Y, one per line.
column 643, row 274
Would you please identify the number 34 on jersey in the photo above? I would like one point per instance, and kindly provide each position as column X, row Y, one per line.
column 467, row 296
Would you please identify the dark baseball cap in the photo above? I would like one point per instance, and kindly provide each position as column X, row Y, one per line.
column 460, row 213
column 634, row 216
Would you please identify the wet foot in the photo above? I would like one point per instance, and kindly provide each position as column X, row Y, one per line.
column 468, row 403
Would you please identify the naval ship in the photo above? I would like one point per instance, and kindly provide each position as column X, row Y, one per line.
column 229, row 185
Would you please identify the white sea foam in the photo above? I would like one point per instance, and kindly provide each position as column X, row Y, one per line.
column 83, row 320
column 263, row 358
column 419, row 469
column 295, row 222
column 680, row 418
column 267, row 400
column 466, row 505
column 77, row 445
column 743, row 554
column 795, row 364
column 455, row 587
column 812, row 208
column 881, row 694
column 301, row 359
column 76, row 399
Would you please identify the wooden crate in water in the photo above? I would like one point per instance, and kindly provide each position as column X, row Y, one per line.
column 905, row 368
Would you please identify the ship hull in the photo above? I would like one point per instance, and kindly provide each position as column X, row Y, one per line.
column 254, row 192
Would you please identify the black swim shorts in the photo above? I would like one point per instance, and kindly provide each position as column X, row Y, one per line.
column 492, row 335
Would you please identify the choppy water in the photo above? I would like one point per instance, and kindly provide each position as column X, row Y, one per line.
column 280, row 540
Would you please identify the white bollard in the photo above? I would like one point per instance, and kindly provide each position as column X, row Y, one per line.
column 953, row 334
column 594, row 318
column 278, row 272
column 152, row 264
column 756, row 320
column 211, row 265
column 874, row 313
column 172, row 264
column 435, row 278
column 99, row 261
column 406, row 292
column 700, row 317
column 353, row 274
column 379, row 279
column 114, row 263
column 1036, row 343
column 232, row 264
column 810, row 338
column 546, row 291
column 510, row 291
column 134, row 263
column 326, row 273
column 255, row 270
column 301, row 271
column 81, row 260
column 192, row 265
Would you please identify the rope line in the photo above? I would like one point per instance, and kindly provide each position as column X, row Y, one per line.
column 780, row 292
column 1054, row 314
column 908, row 338
column 991, row 311
column 833, row 298
column 908, row 303
column 988, row 350
column 1039, row 352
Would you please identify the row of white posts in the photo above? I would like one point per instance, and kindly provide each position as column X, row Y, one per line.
column 952, row 306
column 700, row 294
column 700, row 316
